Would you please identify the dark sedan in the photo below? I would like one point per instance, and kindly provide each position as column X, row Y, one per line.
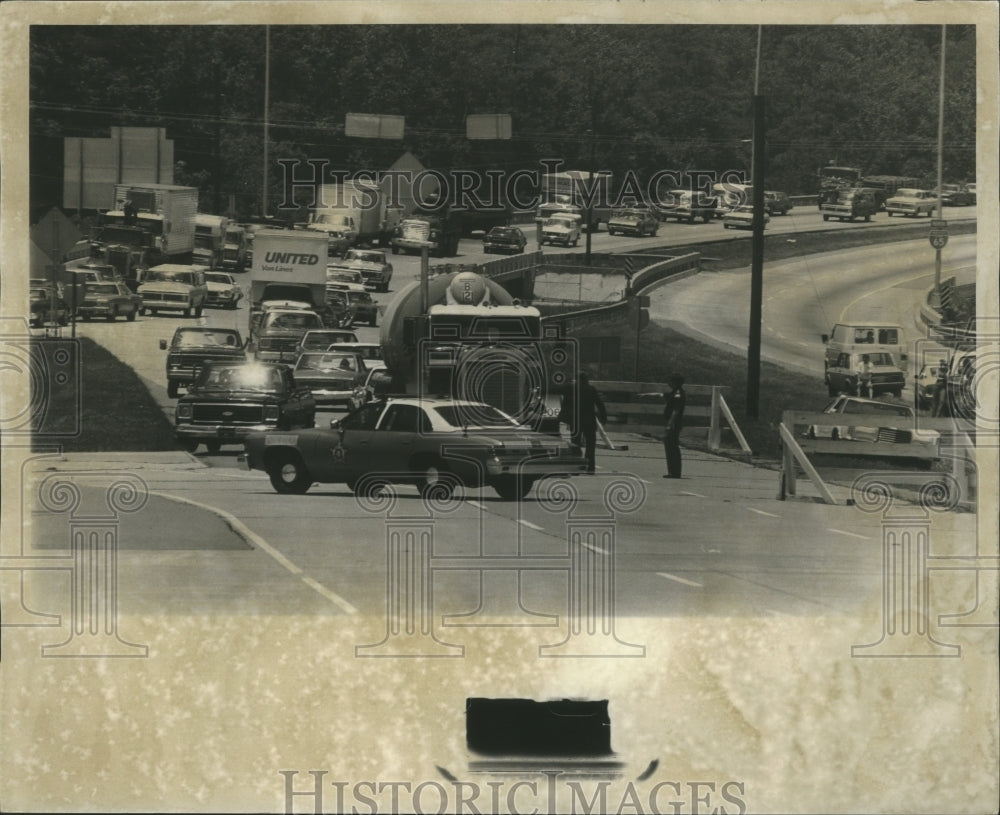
column 192, row 347
column 505, row 240
column 434, row 444
column 109, row 299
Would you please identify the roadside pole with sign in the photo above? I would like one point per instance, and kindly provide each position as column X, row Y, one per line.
column 938, row 237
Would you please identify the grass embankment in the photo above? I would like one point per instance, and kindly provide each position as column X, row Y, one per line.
column 664, row 350
column 111, row 409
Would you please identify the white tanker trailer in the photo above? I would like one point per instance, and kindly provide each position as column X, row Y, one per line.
column 467, row 338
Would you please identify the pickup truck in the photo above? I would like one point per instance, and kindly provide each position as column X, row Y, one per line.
column 687, row 205
column 846, row 205
column 230, row 400
column 913, row 202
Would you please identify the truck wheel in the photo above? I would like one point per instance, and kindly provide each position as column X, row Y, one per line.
column 395, row 250
column 826, row 217
column 142, row 311
column 213, row 447
column 868, row 218
column 187, row 311
column 890, row 213
column 111, row 315
column 131, row 316
column 289, row 475
column 152, row 311
column 172, row 389
column 831, row 390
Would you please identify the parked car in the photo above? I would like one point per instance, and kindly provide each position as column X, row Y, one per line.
column 230, row 400
column 562, row 228
column 408, row 441
column 504, row 240
column 373, row 265
column 377, row 385
column 777, row 203
column 687, row 205
column 875, row 410
column 332, row 376
column 42, row 297
column 971, row 189
column 109, row 299
column 909, row 201
column 223, row 290
column 887, row 377
column 956, row 195
column 192, row 347
column 742, row 218
column 636, row 222
column 173, row 287
column 322, row 338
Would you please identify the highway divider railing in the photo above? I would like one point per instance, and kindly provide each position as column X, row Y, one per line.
column 880, row 435
column 637, row 407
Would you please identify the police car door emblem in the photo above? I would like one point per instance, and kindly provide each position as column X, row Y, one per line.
column 339, row 452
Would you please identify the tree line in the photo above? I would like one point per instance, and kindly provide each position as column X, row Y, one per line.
column 619, row 98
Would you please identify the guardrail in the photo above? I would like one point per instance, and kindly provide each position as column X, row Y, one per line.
column 637, row 407
column 799, row 431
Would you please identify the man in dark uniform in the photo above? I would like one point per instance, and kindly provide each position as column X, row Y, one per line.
column 582, row 418
column 673, row 421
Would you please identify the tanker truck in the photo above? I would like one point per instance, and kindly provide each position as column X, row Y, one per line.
column 468, row 338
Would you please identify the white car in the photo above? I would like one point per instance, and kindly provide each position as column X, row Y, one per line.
column 868, row 409
column 223, row 290
column 563, row 229
column 741, row 218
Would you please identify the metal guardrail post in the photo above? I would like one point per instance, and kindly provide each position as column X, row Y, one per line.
column 715, row 427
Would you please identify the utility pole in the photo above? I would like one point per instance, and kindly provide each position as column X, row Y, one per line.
column 756, row 260
column 940, row 162
column 267, row 104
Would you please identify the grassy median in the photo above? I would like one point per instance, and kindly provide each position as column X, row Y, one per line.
column 108, row 408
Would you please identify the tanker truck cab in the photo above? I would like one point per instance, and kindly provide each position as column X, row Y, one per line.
column 865, row 338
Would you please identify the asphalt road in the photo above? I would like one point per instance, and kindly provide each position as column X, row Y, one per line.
column 716, row 542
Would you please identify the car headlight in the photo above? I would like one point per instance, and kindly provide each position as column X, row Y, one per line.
column 184, row 411
column 271, row 413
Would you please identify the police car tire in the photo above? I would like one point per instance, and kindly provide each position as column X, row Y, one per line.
column 434, row 480
column 172, row 390
column 509, row 489
column 289, row 475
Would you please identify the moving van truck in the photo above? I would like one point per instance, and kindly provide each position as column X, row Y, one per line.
column 865, row 338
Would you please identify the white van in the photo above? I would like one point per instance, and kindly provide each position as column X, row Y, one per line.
column 865, row 338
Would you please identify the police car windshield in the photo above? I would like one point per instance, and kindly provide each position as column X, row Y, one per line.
column 475, row 415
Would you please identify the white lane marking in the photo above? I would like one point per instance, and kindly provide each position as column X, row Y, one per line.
column 695, row 494
column 248, row 534
column 761, row 512
column 592, row 548
column 475, row 504
column 530, row 525
column 329, row 595
column 680, row 580
column 849, row 534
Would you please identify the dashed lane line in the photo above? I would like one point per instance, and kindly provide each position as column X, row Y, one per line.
column 762, row 512
column 680, row 580
column 848, row 534
column 695, row 494
column 530, row 525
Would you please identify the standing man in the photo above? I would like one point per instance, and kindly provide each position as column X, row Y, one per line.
column 864, row 374
column 582, row 417
column 938, row 403
column 673, row 421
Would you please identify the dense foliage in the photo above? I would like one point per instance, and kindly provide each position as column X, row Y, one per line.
column 644, row 98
